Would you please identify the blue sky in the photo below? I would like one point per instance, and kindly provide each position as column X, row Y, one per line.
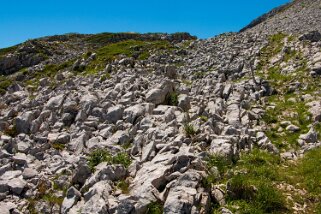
column 21, row 20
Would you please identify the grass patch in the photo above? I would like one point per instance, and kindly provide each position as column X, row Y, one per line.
column 155, row 208
column 187, row 82
column 5, row 51
column 5, row 82
column 58, row 146
column 172, row 99
column 104, row 77
column 203, row 118
column 273, row 47
column 189, row 130
column 101, row 155
column 222, row 164
column 130, row 48
column 123, row 185
column 252, row 186
column 285, row 110
column 49, row 71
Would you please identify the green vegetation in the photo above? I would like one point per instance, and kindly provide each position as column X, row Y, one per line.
column 49, row 71
column 189, row 130
column 58, row 146
column 5, row 51
column 46, row 195
column 101, row 155
column 104, row 77
column 286, row 110
column 5, row 82
column 123, row 185
column 221, row 163
column 251, row 186
column 155, row 208
column 200, row 74
column 203, row 118
column 258, row 182
column 187, row 82
column 274, row 47
column 305, row 174
column 172, row 99
column 131, row 48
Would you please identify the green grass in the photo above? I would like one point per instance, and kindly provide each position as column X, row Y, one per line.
column 308, row 172
column 155, row 208
column 222, row 164
column 5, row 51
column 273, row 47
column 104, row 77
column 285, row 110
column 5, row 82
column 58, row 146
column 187, row 82
column 203, row 118
column 101, row 155
column 252, row 187
column 253, row 180
column 130, row 48
column 172, row 99
column 123, row 185
column 49, row 71
column 189, row 130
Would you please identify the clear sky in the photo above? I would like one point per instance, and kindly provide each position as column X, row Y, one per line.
column 21, row 20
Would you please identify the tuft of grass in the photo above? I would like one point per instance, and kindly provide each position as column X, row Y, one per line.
column 187, row 82
column 189, row 130
column 5, row 82
column 172, row 99
column 121, row 158
column 155, row 208
column 104, row 77
column 123, row 185
column 101, row 155
column 58, row 146
column 98, row 156
column 222, row 164
column 203, row 118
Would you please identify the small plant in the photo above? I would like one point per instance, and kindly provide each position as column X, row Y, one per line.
column 121, row 158
column 221, row 162
column 123, row 185
column 5, row 83
column 104, row 77
column 100, row 155
column 172, row 99
column 187, row 82
column 189, row 130
column 58, row 146
column 155, row 208
column 203, row 118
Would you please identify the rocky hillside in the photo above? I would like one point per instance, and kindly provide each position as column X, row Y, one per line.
column 165, row 123
column 298, row 16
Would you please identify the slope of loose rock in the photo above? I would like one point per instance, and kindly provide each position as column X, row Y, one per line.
column 127, row 123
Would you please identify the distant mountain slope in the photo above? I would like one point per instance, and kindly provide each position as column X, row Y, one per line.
column 296, row 17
